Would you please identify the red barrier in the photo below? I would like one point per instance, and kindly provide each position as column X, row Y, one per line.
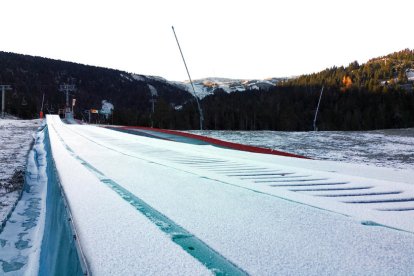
column 217, row 142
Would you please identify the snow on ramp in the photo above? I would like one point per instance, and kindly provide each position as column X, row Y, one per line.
column 265, row 214
column 116, row 239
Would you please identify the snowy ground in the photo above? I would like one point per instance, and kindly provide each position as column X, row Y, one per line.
column 21, row 237
column 392, row 148
column 157, row 203
column 15, row 141
column 150, row 206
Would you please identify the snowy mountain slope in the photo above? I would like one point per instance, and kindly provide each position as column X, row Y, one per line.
column 207, row 86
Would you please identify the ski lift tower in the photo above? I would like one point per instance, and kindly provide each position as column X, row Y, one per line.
column 67, row 89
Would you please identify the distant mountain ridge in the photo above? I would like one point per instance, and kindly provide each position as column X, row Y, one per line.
column 208, row 86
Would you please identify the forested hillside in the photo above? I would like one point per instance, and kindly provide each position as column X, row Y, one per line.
column 380, row 74
column 31, row 77
column 376, row 95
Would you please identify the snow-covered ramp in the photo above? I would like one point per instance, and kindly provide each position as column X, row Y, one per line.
column 263, row 215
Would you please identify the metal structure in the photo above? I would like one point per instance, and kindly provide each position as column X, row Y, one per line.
column 4, row 87
column 67, row 89
column 41, row 108
column 317, row 109
column 192, row 85
column 153, row 100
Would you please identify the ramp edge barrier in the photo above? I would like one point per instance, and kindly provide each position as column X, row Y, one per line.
column 63, row 212
column 212, row 141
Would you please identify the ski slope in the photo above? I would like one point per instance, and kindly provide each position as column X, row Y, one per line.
column 151, row 206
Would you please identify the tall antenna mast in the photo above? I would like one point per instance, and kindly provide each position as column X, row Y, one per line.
column 200, row 111
column 317, row 109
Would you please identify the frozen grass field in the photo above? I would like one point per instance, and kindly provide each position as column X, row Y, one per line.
column 16, row 137
column 393, row 148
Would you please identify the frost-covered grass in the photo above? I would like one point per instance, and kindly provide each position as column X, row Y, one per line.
column 383, row 148
column 22, row 235
column 15, row 141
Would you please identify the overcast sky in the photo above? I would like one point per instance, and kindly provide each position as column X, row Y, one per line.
column 220, row 38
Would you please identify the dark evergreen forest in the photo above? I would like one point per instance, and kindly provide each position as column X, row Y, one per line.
column 31, row 77
column 293, row 109
column 374, row 95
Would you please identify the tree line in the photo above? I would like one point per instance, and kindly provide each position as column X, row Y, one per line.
column 375, row 95
column 293, row 109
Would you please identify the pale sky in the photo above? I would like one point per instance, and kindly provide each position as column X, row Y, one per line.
column 219, row 38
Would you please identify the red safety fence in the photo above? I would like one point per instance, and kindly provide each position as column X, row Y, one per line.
column 214, row 141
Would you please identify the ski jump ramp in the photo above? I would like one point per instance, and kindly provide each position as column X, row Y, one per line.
column 143, row 205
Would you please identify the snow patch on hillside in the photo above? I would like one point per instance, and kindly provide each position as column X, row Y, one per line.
column 208, row 86
column 410, row 74
column 147, row 78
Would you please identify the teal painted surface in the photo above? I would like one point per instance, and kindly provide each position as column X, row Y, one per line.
column 58, row 252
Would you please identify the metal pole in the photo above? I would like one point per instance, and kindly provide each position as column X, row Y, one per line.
column 3, row 94
column 67, row 98
column 3, row 98
column 317, row 109
column 43, row 99
column 192, row 85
